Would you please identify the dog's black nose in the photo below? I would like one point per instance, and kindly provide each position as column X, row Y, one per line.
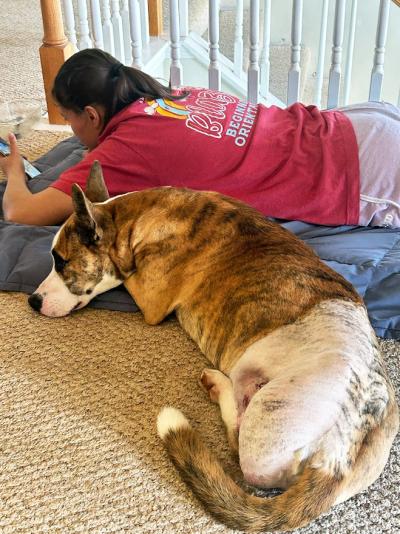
column 35, row 300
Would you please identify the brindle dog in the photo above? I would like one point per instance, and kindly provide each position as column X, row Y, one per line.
column 301, row 383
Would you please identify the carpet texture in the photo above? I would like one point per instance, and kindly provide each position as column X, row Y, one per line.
column 21, row 33
column 79, row 398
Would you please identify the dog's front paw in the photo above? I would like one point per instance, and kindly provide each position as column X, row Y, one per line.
column 213, row 382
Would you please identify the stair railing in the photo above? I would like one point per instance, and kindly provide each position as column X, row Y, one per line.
column 125, row 27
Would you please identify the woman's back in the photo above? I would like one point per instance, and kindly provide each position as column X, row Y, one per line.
column 277, row 160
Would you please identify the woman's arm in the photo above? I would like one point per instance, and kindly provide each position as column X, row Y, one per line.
column 20, row 205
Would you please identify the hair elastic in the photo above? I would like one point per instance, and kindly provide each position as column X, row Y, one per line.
column 116, row 69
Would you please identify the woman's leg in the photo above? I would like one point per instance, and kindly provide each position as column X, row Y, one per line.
column 377, row 129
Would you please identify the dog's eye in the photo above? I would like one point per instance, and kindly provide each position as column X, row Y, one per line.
column 59, row 262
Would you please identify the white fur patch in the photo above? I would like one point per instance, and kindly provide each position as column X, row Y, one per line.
column 56, row 236
column 113, row 198
column 170, row 419
column 307, row 367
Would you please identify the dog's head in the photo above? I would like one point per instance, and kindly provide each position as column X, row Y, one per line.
column 82, row 266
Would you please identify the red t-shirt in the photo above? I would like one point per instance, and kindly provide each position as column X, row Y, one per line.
column 294, row 163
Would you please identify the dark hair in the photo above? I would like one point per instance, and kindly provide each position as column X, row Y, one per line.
column 93, row 76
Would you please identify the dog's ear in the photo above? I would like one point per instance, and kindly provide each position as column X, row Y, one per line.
column 96, row 189
column 87, row 226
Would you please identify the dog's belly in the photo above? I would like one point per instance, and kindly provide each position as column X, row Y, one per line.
column 290, row 387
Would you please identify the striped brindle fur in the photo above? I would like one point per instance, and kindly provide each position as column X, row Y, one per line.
column 298, row 373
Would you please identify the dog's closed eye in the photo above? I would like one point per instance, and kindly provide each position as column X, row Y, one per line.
column 59, row 262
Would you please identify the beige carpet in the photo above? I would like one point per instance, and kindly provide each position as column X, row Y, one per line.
column 78, row 447
column 21, row 34
column 79, row 398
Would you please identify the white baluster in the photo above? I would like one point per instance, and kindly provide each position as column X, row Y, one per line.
column 69, row 20
column 238, row 46
column 176, row 67
column 350, row 52
column 265, row 63
column 84, row 37
column 335, row 70
column 321, row 53
column 144, row 17
column 214, row 73
column 184, row 18
column 126, row 32
column 293, row 92
column 135, row 33
column 96, row 24
column 253, row 73
column 108, row 32
column 118, row 32
column 375, row 87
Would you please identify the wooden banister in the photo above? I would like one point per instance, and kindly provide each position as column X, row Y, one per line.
column 54, row 51
column 155, row 17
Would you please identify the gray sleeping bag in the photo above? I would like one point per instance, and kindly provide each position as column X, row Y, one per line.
column 368, row 257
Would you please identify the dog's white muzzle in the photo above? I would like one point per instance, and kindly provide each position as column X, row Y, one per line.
column 53, row 298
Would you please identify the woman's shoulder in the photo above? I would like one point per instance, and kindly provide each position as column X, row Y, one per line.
column 127, row 114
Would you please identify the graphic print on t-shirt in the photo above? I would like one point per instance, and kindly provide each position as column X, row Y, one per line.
column 210, row 113
column 167, row 108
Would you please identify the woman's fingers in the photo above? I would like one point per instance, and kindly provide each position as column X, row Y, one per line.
column 13, row 144
column 13, row 164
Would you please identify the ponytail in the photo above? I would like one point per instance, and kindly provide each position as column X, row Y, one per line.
column 93, row 76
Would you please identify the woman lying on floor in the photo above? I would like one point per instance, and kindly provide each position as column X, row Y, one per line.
column 324, row 167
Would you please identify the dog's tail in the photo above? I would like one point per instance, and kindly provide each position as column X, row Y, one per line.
column 312, row 494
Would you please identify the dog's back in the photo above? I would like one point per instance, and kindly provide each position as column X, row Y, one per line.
column 240, row 275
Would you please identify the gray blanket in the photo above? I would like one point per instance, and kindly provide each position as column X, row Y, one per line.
column 368, row 257
column 25, row 258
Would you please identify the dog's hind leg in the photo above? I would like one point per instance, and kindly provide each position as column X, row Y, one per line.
column 220, row 390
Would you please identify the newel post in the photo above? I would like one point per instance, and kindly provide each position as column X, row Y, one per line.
column 54, row 51
column 155, row 17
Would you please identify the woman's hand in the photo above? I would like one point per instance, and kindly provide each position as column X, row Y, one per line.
column 49, row 206
column 12, row 164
